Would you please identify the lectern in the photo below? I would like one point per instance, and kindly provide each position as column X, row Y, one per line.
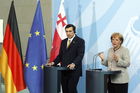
column 96, row 80
column 52, row 77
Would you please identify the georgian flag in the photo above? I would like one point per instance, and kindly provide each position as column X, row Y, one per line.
column 59, row 33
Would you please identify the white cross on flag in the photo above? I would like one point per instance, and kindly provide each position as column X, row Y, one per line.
column 59, row 33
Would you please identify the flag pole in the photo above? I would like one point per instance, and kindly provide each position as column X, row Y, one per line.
column 37, row 1
column 62, row 1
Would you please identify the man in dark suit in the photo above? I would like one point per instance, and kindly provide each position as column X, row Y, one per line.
column 70, row 55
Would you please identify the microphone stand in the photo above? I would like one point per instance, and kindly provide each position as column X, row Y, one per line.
column 94, row 62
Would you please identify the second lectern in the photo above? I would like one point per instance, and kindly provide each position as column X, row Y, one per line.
column 96, row 80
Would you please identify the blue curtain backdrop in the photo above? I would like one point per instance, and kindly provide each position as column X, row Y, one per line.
column 96, row 20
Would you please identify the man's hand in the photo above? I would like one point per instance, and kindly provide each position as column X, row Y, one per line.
column 50, row 64
column 71, row 66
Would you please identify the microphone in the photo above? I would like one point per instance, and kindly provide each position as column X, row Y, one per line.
column 94, row 60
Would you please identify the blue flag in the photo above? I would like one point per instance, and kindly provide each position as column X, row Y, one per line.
column 36, row 54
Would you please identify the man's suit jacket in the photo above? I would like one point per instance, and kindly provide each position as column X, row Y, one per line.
column 73, row 54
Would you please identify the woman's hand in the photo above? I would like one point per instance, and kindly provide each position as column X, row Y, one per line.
column 101, row 55
column 115, row 57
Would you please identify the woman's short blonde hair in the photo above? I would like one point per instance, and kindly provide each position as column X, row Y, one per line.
column 116, row 34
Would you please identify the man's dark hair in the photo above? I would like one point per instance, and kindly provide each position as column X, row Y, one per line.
column 71, row 25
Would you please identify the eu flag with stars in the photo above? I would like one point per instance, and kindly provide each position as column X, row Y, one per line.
column 36, row 54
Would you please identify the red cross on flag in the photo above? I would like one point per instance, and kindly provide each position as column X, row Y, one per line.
column 59, row 33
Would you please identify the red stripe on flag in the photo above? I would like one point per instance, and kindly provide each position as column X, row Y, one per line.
column 55, row 46
column 14, row 59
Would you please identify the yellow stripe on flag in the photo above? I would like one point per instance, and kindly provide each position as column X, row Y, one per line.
column 7, row 74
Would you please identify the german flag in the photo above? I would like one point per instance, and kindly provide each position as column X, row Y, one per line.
column 11, row 65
